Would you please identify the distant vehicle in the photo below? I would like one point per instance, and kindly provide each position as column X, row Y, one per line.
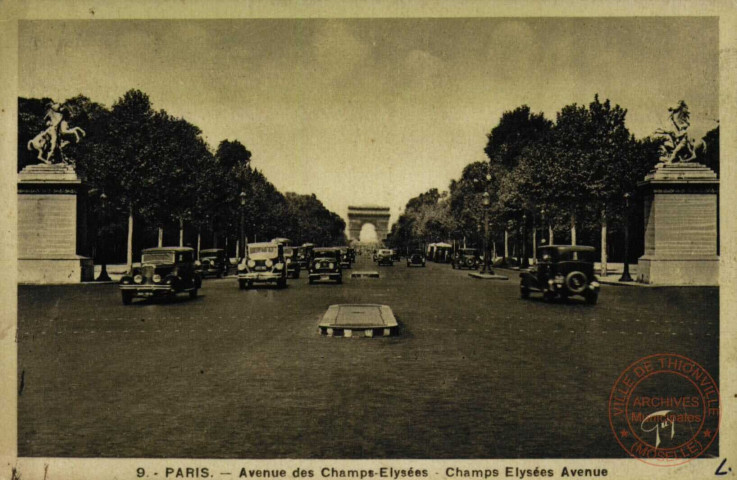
column 352, row 254
column 281, row 241
column 385, row 257
column 440, row 252
column 325, row 265
column 264, row 263
column 466, row 258
column 345, row 258
column 213, row 262
column 163, row 271
column 562, row 271
column 374, row 255
column 395, row 255
column 291, row 255
column 305, row 255
column 416, row 258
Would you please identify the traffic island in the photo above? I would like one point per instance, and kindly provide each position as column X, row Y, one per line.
column 487, row 276
column 366, row 274
column 361, row 320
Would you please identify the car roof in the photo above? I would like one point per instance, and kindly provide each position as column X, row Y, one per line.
column 263, row 244
column 568, row 248
column 167, row 249
column 211, row 250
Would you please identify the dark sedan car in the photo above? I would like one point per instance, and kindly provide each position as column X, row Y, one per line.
column 326, row 265
column 163, row 271
column 562, row 271
column 466, row 258
column 213, row 262
column 416, row 259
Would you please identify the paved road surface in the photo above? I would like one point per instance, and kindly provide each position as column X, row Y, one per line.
column 475, row 373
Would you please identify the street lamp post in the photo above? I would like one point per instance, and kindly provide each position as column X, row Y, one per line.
column 485, row 202
column 626, row 273
column 242, row 246
column 103, row 277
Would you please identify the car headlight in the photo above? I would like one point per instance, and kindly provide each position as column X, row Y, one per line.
column 289, row 260
column 197, row 263
column 138, row 278
column 279, row 266
column 156, row 278
column 126, row 280
column 331, row 265
column 269, row 263
column 252, row 263
column 169, row 280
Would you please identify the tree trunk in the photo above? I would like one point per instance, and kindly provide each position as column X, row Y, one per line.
column 129, row 255
column 161, row 237
column 603, row 244
column 199, row 243
column 534, row 243
column 181, row 232
column 506, row 244
column 573, row 229
column 551, row 236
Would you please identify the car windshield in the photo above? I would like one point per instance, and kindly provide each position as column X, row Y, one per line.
column 263, row 251
column 577, row 256
column 325, row 253
column 157, row 258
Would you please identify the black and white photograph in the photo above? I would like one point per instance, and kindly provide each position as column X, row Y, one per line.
column 414, row 241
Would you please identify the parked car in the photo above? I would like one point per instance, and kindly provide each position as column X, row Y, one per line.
column 213, row 262
column 562, row 271
column 416, row 258
column 163, row 271
column 291, row 255
column 466, row 258
column 264, row 263
column 345, row 258
column 325, row 265
column 385, row 257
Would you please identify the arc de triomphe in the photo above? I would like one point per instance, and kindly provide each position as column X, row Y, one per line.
column 361, row 215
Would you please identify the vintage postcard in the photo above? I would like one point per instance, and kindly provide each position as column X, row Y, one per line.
column 361, row 240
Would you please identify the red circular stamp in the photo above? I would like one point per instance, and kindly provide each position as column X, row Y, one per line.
column 664, row 409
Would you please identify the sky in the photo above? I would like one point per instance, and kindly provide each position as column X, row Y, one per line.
column 376, row 111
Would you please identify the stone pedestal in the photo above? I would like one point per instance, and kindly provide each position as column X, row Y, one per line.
column 51, row 226
column 681, row 209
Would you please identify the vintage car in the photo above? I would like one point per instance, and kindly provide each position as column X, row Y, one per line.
column 352, row 254
column 385, row 257
column 213, row 262
column 264, row 263
column 345, row 258
column 163, row 271
column 325, row 265
column 395, row 255
column 562, row 271
column 416, row 258
column 291, row 254
column 305, row 255
column 466, row 258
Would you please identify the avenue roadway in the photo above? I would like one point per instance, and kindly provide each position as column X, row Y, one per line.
column 476, row 372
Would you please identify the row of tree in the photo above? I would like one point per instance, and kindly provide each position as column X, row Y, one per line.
column 147, row 168
column 570, row 180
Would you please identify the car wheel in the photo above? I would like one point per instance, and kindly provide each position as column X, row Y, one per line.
column 193, row 293
column 548, row 296
column 242, row 284
column 127, row 297
column 281, row 283
column 576, row 282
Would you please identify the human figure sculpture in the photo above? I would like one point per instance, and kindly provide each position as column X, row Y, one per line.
column 50, row 142
column 678, row 147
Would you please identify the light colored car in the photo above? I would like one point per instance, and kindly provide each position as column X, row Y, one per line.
column 264, row 263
